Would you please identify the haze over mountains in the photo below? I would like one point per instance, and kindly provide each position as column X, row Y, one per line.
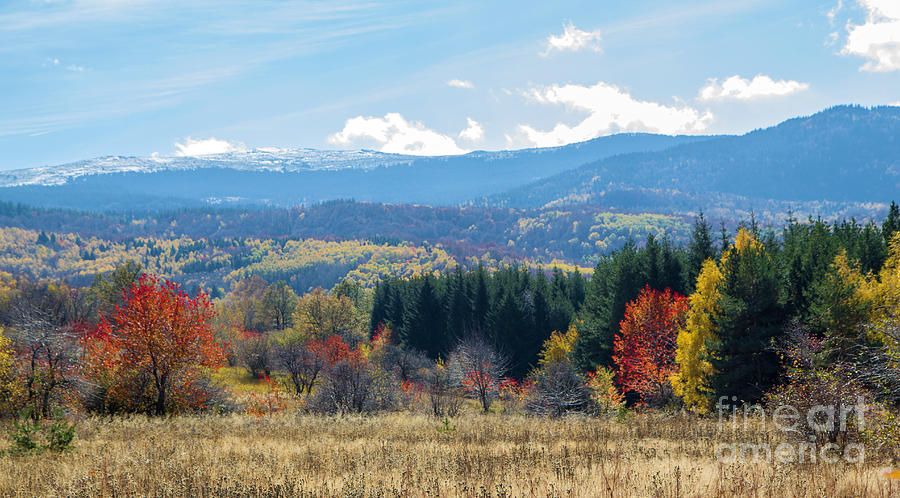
column 841, row 161
column 291, row 177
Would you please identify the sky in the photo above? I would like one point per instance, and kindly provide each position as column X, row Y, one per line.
column 88, row 78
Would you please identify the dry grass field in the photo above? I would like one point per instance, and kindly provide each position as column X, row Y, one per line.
column 290, row 454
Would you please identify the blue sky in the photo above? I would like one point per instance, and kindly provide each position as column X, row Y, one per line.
column 86, row 78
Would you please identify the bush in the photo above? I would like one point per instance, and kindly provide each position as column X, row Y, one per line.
column 558, row 389
column 809, row 384
column 606, row 399
column 444, row 392
column 353, row 385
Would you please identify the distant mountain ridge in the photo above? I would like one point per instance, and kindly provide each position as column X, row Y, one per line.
column 845, row 154
column 288, row 177
column 843, row 161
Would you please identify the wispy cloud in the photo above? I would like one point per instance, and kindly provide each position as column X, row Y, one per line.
column 460, row 84
column 291, row 29
column 573, row 39
column 761, row 86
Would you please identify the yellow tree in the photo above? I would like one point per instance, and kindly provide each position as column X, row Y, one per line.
column 558, row 346
column 319, row 316
column 8, row 387
column 843, row 304
column 885, row 294
column 691, row 382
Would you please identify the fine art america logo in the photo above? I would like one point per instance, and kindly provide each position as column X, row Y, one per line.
column 819, row 432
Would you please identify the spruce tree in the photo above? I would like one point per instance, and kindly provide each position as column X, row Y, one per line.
column 891, row 224
column 700, row 249
column 751, row 315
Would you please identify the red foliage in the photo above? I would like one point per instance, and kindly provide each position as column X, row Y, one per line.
column 151, row 354
column 331, row 350
column 644, row 349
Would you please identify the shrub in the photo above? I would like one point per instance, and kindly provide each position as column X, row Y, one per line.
column 444, row 392
column 809, row 384
column 351, row 385
column 558, row 389
column 606, row 399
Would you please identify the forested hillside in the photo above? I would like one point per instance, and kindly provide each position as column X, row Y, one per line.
column 577, row 235
column 841, row 158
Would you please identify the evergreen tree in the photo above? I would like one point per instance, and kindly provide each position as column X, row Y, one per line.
column 891, row 224
column 424, row 324
column 481, row 301
column 700, row 249
column 752, row 315
column 459, row 306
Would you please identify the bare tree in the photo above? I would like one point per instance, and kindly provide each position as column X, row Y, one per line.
column 558, row 390
column 252, row 350
column 444, row 391
column 406, row 363
column 877, row 365
column 300, row 360
column 44, row 334
column 348, row 387
column 479, row 367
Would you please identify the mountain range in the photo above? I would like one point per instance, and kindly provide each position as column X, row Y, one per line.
column 842, row 161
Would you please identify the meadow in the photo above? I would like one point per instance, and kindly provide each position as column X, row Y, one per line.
column 409, row 454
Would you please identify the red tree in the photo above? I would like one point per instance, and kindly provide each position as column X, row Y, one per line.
column 153, row 353
column 644, row 349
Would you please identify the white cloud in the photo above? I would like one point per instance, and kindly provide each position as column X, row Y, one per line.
column 460, row 84
column 761, row 86
column 610, row 110
column 474, row 132
column 879, row 38
column 203, row 147
column 396, row 135
column 573, row 39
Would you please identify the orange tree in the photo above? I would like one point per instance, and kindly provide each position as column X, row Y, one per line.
column 153, row 354
column 644, row 349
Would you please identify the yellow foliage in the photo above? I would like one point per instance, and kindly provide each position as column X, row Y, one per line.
column 8, row 386
column 558, row 347
column 691, row 381
column 885, row 293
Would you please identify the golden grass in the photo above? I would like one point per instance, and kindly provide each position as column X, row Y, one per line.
column 404, row 454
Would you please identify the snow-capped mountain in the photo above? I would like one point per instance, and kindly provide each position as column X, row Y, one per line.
column 291, row 177
column 263, row 159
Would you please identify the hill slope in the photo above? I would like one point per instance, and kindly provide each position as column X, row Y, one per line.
column 843, row 155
